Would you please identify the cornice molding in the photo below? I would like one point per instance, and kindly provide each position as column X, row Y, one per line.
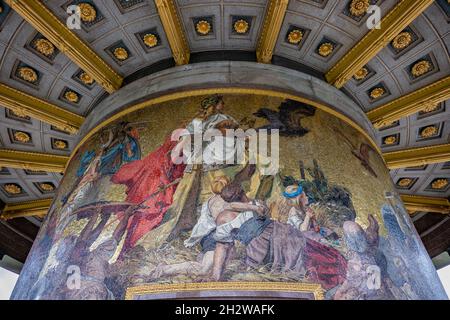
column 26, row 209
column 273, row 21
column 173, row 28
column 426, row 204
column 32, row 161
column 23, row 103
column 44, row 21
column 411, row 103
column 375, row 40
column 417, row 156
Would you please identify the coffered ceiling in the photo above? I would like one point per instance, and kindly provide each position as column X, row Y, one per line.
column 132, row 38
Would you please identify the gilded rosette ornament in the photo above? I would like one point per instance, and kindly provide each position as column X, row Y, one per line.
column 377, row 93
column 150, row 40
column 390, row 140
column 440, row 184
column 428, row 132
column 241, row 26
column 420, row 68
column 60, row 144
column 359, row 7
column 88, row 12
column 361, row 74
column 45, row 47
column 28, row 74
column 121, row 54
column 13, row 189
column 203, row 27
column 295, row 36
column 326, row 49
column 402, row 40
column 86, row 78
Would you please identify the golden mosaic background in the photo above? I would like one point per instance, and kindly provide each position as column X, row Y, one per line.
column 334, row 156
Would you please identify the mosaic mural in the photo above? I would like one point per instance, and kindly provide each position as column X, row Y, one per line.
column 327, row 221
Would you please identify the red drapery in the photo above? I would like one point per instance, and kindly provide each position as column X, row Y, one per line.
column 144, row 178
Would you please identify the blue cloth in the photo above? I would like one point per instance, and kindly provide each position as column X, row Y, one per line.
column 246, row 233
column 87, row 157
column 251, row 229
column 117, row 155
column 208, row 243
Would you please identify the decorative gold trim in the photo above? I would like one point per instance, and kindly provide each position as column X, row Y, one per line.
column 23, row 103
column 409, row 104
column 26, row 209
column 155, row 288
column 44, row 21
column 222, row 90
column 32, row 161
column 426, row 204
column 174, row 31
column 417, row 156
column 273, row 21
column 375, row 40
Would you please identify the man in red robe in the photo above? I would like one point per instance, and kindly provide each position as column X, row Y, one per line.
column 148, row 183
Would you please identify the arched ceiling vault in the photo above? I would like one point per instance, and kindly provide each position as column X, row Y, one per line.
column 51, row 78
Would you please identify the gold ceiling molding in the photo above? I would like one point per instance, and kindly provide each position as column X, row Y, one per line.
column 417, row 156
column 424, row 98
column 32, row 161
column 24, row 104
column 375, row 40
column 26, row 209
column 44, row 21
column 174, row 31
column 271, row 30
column 426, row 204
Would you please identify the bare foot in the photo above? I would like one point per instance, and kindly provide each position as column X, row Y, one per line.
column 158, row 272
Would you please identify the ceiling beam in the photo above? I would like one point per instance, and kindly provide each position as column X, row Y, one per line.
column 43, row 20
column 173, row 28
column 375, row 40
column 412, row 103
column 26, row 209
column 32, row 161
column 426, row 204
column 417, row 156
column 25, row 104
column 273, row 21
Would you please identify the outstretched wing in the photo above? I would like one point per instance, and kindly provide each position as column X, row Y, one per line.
column 291, row 113
column 272, row 116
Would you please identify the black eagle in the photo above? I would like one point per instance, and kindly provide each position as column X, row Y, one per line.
column 288, row 118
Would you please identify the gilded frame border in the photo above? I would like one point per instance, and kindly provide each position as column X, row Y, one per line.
column 153, row 288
